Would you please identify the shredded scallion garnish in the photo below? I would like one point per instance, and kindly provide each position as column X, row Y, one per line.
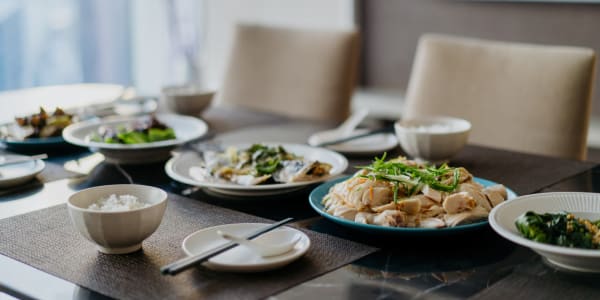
column 412, row 178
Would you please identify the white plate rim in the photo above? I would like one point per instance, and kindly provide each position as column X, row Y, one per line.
column 69, row 132
column 390, row 143
column 518, row 239
column 38, row 167
column 170, row 170
column 272, row 262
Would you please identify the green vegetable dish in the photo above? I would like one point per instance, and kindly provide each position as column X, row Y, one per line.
column 562, row 229
column 143, row 131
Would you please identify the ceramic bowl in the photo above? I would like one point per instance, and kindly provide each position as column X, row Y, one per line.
column 187, row 100
column 117, row 232
column 583, row 205
column 432, row 139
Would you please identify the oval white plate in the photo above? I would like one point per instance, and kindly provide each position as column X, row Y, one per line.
column 502, row 219
column 11, row 175
column 179, row 166
column 186, row 129
column 241, row 259
column 369, row 145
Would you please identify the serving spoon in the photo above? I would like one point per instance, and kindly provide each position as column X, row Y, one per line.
column 280, row 241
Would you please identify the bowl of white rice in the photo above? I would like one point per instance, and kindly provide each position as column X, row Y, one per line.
column 433, row 139
column 117, row 218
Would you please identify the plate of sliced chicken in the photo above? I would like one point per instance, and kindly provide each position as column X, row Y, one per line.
column 403, row 196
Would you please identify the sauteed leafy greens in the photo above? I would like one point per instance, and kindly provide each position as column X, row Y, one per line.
column 562, row 229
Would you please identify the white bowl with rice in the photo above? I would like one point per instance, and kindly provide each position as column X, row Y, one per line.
column 432, row 139
column 117, row 218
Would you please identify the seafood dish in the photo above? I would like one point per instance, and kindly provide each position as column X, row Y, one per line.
column 39, row 125
column 257, row 165
column 403, row 193
column 562, row 229
column 140, row 131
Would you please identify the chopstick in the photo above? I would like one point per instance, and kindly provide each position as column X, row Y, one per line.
column 23, row 159
column 190, row 261
column 387, row 129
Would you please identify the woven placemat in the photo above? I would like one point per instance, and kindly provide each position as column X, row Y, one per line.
column 47, row 240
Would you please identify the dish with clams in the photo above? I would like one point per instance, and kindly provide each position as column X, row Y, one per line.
column 257, row 165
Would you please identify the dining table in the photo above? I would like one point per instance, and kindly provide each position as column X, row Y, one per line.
column 43, row 257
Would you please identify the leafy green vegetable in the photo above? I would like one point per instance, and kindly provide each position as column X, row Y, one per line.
column 266, row 160
column 561, row 229
column 135, row 133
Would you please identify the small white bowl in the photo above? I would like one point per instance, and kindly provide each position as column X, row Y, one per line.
column 432, row 139
column 187, row 100
column 117, row 232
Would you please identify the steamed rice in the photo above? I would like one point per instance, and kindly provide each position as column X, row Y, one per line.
column 118, row 203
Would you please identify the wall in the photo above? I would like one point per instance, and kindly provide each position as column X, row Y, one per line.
column 392, row 28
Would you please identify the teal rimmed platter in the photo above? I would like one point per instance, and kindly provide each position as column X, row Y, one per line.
column 316, row 197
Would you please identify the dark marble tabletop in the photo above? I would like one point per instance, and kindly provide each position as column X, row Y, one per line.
column 477, row 264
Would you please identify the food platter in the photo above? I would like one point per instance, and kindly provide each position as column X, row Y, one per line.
column 316, row 197
column 186, row 129
column 587, row 205
column 179, row 166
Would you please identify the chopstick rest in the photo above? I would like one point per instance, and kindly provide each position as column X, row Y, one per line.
column 190, row 261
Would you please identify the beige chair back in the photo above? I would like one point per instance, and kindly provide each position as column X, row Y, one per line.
column 522, row 97
column 291, row 72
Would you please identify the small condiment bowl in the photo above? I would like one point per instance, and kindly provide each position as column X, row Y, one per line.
column 117, row 232
column 187, row 100
column 432, row 139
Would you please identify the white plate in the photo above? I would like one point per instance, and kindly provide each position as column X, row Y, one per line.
column 241, row 259
column 186, row 129
column 15, row 174
column 502, row 219
column 179, row 166
column 369, row 145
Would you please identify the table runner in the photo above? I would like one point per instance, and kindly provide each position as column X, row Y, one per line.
column 46, row 240
column 523, row 173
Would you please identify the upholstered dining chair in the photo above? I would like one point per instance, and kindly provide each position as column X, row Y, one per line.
column 522, row 97
column 298, row 73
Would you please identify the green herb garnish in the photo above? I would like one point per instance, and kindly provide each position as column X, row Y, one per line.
column 412, row 178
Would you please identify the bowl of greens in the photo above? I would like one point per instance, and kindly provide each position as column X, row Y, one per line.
column 136, row 139
column 561, row 227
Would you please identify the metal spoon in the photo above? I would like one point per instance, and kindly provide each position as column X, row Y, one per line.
column 283, row 240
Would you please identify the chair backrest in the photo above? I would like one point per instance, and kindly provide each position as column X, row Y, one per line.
column 292, row 72
column 522, row 97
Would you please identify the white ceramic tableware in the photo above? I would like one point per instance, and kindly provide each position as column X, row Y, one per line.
column 180, row 165
column 282, row 241
column 502, row 219
column 242, row 259
column 187, row 100
column 117, row 232
column 186, row 129
column 432, row 139
column 15, row 174
column 369, row 145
